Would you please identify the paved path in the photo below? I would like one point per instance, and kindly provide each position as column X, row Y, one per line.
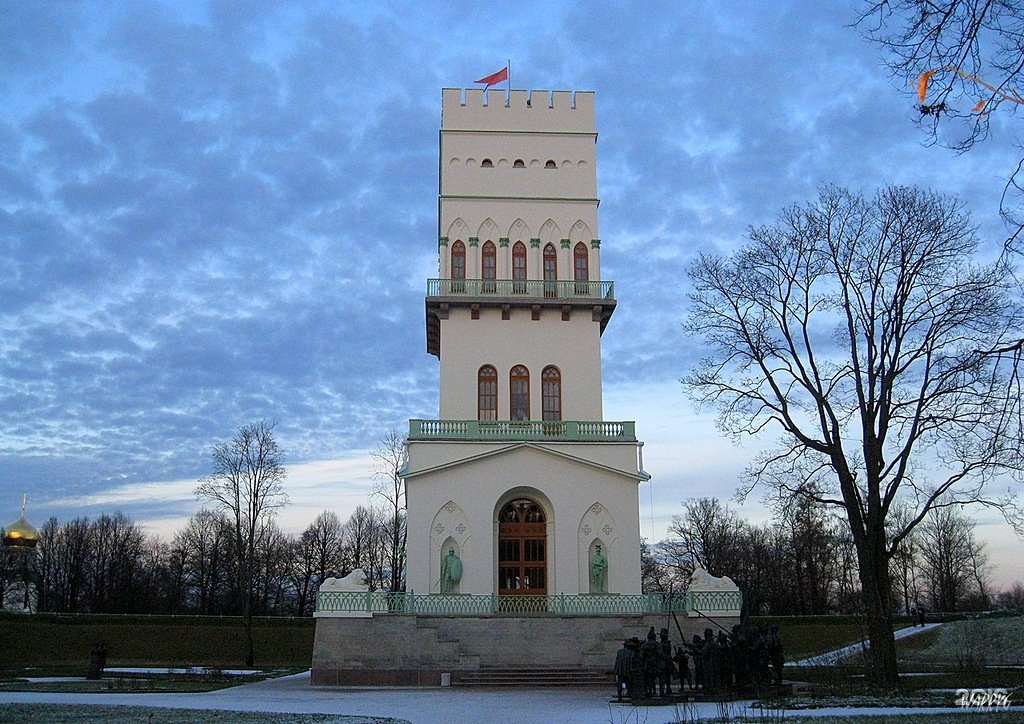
column 294, row 695
column 833, row 657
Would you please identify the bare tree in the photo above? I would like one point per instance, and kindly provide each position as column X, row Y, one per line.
column 808, row 559
column 327, row 536
column 656, row 575
column 973, row 53
column 390, row 459
column 1013, row 597
column 272, row 590
column 952, row 560
column 247, row 485
column 706, row 535
column 63, row 565
column 317, row 554
column 905, row 561
column 864, row 333
column 204, row 544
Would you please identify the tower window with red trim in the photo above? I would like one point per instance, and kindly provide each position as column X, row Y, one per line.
column 519, row 393
column 487, row 393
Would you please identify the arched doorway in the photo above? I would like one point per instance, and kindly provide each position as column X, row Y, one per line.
column 522, row 549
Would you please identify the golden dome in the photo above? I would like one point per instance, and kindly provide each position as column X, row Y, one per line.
column 21, row 533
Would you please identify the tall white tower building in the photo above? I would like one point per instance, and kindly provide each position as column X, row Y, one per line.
column 521, row 479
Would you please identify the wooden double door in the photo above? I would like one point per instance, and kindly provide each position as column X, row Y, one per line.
column 522, row 549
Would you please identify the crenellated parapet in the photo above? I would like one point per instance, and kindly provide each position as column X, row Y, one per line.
column 519, row 110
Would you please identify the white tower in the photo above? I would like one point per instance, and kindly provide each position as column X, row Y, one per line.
column 521, row 478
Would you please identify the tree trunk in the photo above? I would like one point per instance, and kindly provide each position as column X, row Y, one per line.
column 875, row 587
column 250, row 650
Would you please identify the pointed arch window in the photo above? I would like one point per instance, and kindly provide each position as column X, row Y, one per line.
column 489, row 266
column 458, row 267
column 551, row 393
column 581, row 268
column 519, row 268
column 487, row 393
column 550, row 271
column 519, row 393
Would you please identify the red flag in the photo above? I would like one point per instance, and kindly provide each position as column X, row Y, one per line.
column 494, row 78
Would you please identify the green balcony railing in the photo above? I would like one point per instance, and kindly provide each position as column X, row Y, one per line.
column 384, row 602
column 514, row 430
column 521, row 289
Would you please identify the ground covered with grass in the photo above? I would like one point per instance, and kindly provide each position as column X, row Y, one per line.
column 970, row 644
column 61, row 644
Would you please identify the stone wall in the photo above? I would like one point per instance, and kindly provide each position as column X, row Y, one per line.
column 416, row 650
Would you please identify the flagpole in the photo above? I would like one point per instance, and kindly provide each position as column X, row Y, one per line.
column 509, row 79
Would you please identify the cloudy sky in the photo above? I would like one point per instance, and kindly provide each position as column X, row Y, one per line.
column 215, row 213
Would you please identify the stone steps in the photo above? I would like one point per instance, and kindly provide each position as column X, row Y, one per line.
column 537, row 677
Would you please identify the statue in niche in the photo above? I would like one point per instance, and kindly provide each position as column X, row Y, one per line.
column 598, row 571
column 451, row 572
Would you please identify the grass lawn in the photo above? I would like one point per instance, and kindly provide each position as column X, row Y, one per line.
column 60, row 645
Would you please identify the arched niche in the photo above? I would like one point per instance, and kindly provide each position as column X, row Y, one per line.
column 449, row 527
column 597, row 524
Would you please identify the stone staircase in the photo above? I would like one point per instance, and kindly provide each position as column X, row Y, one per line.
column 536, row 677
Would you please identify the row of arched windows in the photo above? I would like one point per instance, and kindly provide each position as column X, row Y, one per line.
column 519, row 393
column 489, row 258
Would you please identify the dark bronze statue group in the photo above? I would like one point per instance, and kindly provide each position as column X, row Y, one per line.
column 723, row 664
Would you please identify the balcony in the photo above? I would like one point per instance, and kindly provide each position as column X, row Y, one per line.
column 521, row 289
column 526, row 430
column 596, row 298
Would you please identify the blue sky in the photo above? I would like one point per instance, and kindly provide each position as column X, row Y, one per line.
column 214, row 213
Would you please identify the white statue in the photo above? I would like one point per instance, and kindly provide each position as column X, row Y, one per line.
column 354, row 581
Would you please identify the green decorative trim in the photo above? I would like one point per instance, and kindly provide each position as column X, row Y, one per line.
column 474, row 241
column 563, row 290
column 595, row 243
column 566, row 243
column 503, row 241
column 442, row 241
column 467, row 604
column 535, row 242
column 508, row 430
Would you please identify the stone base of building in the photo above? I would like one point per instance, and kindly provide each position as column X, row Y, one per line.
column 432, row 650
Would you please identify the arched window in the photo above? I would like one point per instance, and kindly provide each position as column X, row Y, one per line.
column 581, row 268
column 488, row 261
column 550, row 164
column 487, row 393
column 519, row 393
column 519, row 267
column 518, row 163
column 550, row 271
column 458, row 267
column 551, row 393
column 487, row 163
